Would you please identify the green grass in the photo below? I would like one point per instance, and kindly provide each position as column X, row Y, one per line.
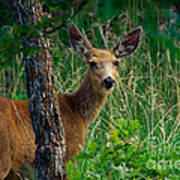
column 136, row 135
column 148, row 90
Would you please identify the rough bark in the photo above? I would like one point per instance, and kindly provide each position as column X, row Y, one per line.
column 43, row 103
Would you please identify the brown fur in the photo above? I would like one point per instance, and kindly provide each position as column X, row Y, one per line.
column 78, row 110
column 16, row 134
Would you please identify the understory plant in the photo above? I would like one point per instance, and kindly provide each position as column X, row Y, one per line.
column 124, row 156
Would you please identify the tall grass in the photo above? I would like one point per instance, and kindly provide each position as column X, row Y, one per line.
column 147, row 90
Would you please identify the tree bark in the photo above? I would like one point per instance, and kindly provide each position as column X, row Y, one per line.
column 42, row 99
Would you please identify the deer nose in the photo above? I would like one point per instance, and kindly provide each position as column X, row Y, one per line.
column 108, row 82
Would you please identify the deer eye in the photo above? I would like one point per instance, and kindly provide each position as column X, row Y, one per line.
column 92, row 64
column 116, row 63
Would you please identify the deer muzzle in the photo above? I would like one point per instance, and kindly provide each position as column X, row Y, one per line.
column 108, row 83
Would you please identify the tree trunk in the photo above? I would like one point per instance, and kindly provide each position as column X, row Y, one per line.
column 43, row 102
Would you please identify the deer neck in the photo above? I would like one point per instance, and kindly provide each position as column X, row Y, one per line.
column 86, row 101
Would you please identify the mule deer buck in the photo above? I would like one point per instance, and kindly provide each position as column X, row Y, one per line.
column 78, row 109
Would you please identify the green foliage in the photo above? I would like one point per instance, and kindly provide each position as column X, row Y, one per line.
column 122, row 156
column 5, row 40
column 147, row 88
column 12, row 36
column 28, row 172
column 6, row 15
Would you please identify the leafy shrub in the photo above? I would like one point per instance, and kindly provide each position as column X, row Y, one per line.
column 122, row 156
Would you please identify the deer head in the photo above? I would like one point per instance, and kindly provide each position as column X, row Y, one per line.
column 103, row 64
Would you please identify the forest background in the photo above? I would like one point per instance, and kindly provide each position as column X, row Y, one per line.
column 136, row 135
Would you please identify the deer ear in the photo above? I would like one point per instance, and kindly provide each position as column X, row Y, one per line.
column 128, row 44
column 79, row 42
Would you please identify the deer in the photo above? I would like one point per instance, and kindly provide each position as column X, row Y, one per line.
column 78, row 109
